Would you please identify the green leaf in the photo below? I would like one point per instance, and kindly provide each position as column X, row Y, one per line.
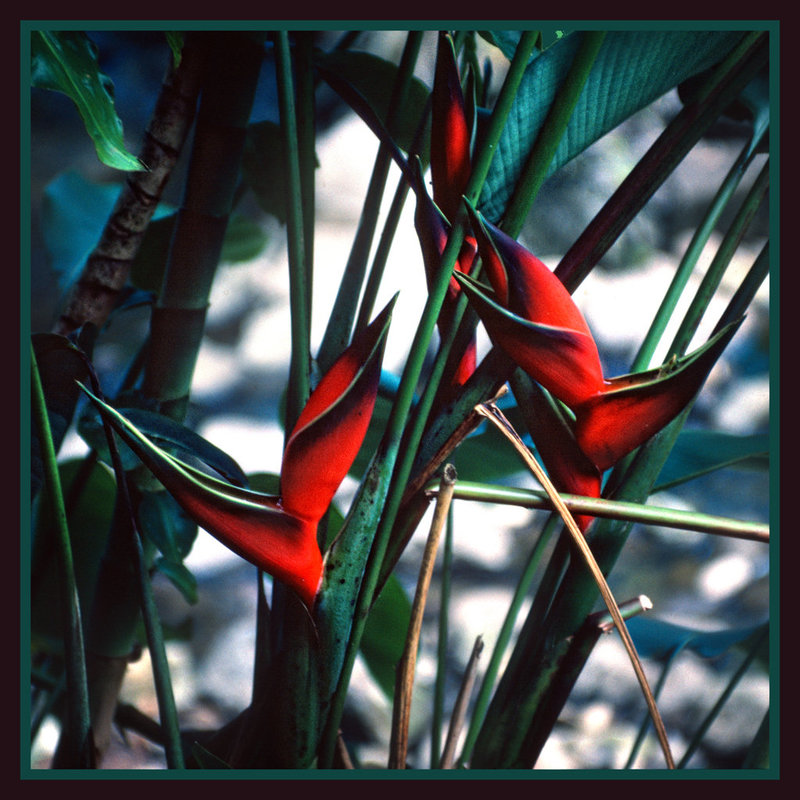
column 167, row 433
column 385, row 634
column 632, row 69
column 698, row 452
column 66, row 61
column 655, row 638
column 180, row 577
column 166, row 525
column 374, row 79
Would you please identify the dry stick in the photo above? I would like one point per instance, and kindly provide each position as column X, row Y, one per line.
column 494, row 415
column 460, row 708
column 404, row 686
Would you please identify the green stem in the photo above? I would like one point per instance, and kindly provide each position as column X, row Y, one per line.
column 306, row 132
column 75, row 748
column 368, row 516
column 179, row 318
column 645, row 725
column 690, row 258
column 614, row 509
column 504, row 637
column 549, row 138
column 340, row 323
column 716, row 270
column 299, row 288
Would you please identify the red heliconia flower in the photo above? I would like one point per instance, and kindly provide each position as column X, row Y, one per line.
column 529, row 293
column 533, row 318
column 569, row 468
column 450, row 171
column 279, row 533
column 451, row 165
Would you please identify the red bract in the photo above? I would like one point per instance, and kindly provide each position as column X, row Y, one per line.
column 450, row 172
column 450, row 132
column 279, row 533
column 533, row 318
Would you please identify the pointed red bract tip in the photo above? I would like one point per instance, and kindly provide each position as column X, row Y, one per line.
column 332, row 426
column 450, row 133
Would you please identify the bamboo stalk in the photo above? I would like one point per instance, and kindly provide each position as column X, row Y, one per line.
column 105, row 273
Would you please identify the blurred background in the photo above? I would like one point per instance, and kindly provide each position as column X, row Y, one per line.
column 694, row 580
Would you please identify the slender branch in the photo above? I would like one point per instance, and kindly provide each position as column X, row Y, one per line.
column 404, row 685
column 460, row 708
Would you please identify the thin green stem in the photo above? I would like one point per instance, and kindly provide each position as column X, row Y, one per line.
column 551, row 133
column 299, row 288
column 340, row 323
column 645, row 725
column 690, row 258
column 614, row 509
column 387, row 454
column 716, row 270
column 75, row 747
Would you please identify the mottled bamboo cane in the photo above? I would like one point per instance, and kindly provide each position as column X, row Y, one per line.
column 105, row 273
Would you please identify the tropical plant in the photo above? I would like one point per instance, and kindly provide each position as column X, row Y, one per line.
column 598, row 443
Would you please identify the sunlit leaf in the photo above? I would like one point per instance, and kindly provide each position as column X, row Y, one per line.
column 66, row 61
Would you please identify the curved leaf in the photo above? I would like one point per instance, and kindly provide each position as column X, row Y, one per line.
column 66, row 61
column 632, row 69
column 168, row 433
column 656, row 638
column 698, row 452
column 254, row 526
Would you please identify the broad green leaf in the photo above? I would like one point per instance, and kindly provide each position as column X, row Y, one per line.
column 655, row 638
column 632, row 69
column 385, row 634
column 166, row 525
column 698, row 452
column 180, row 577
column 66, row 61
column 90, row 495
column 374, row 78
